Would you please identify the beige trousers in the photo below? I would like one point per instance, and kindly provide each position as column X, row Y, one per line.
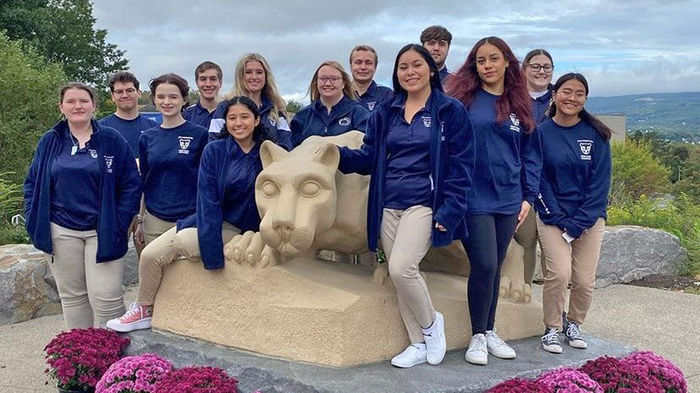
column 90, row 292
column 406, row 237
column 163, row 250
column 154, row 227
column 526, row 236
column 564, row 263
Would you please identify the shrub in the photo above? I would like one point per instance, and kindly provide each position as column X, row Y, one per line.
column 636, row 172
column 134, row 374
column 567, row 380
column 516, row 385
column 654, row 366
column 614, row 376
column 78, row 358
column 197, row 380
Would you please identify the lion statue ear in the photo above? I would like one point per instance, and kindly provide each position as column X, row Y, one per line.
column 270, row 152
column 327, row 154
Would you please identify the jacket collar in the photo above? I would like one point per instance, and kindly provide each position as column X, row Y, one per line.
column 61, row 128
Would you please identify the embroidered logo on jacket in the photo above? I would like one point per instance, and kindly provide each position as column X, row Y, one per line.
column 93, row 153
column 108, row 163
column 184, row 144
column 345, row 121
column 514, row 122
column 370, row 105
column 427, row 121
column 585, row 145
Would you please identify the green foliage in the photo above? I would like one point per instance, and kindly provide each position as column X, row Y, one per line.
column 10, row 204
column 63, row 31
column 293, row 107
column 13, row 234
column 636, row 172
column 680, row 217
column 29, row 109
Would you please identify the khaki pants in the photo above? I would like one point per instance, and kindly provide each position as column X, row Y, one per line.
column 154, row 227
column 90, row 292
column 164, row 250
column 526, row 236
column 406, row 237
column 564, row 263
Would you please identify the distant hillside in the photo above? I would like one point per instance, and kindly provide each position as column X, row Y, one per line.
column 675, row 116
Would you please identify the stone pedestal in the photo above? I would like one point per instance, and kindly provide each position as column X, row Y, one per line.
column 314, row 311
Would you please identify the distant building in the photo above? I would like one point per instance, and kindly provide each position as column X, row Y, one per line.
column 617, row 123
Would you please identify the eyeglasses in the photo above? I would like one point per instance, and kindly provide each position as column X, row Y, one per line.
column 119, row 92
column 544, row 67
column 332, row 79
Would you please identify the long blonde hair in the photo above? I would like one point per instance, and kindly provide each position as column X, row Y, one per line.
column 348, row 88
column 269, row 90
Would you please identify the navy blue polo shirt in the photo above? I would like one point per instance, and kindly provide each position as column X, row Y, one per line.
column 198, row 114
column 375, row 95
column 407, row 181
column 129, row 129
column 75, row 181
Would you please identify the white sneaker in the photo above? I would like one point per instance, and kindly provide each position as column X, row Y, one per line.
column 497, row 347
column 573, row 335
column 412, row 355
column 435, row 343
column 478, row 350
column 550, row 341
column 138, row 317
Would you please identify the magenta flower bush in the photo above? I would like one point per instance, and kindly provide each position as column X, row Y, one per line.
column 567, row 380
column 77, row 358
column 516, row 385
column 197, row 380
column 656, row 367
column 615, row 376
column 134, row 374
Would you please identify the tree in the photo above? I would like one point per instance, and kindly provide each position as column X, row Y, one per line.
column 636, row 172
column 30, row 109
column 294, row 106
column 63, row 31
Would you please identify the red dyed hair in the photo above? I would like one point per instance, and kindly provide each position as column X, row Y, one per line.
column 515, row 98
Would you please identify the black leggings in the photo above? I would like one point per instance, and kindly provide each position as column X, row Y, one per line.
column 486, row 246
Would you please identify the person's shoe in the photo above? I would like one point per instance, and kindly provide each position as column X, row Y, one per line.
column 412, row 355
column 574, row 336
column 550, row 341
column 477, row 353
column 435, row 343
column 497, row 347
column 138, row 317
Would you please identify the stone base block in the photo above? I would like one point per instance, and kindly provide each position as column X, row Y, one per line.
column 313, row 311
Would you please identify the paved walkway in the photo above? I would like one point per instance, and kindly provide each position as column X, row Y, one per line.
column 652, row 319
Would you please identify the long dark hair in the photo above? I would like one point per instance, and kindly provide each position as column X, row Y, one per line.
column 259, row 132
column 515, row 98
column 434, row 79
column 586, row 117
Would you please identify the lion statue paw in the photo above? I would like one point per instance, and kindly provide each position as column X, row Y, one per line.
column 249, row 248
column 381, row 273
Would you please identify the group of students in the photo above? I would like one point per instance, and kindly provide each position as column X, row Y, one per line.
column 452, row 156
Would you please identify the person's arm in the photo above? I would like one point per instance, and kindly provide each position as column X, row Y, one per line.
column 546, row 204
column 128, row 188
column 531, row 158
column 360, row 117
column 31, row 180
column 595, row 193
column 209, row 211
column 360, row 160
column 217, row 123
column 460, row 165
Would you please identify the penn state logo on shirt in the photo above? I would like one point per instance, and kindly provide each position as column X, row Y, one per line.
column 427, row 121
column 108, row 163
column 93, row 153
column 514, row 122
column 370, row 105
column 345, row 121
column 184, row 144
column 585, row 146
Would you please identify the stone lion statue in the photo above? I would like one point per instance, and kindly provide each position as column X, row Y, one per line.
column 307, row 205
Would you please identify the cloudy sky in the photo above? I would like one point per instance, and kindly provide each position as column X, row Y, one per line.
column 621, row 46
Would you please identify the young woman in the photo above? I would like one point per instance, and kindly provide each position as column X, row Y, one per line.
column 169, row 159
column 225, row 207
column 571, row 209
column 254, row 79
column 537, row 68
column 80, row 195
column 334, row 108
column 418, row 149
column 506, row 177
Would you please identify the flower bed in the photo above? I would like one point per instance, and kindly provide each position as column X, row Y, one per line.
column 134, row 374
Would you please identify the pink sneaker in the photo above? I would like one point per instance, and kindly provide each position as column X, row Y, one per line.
column 138, row 317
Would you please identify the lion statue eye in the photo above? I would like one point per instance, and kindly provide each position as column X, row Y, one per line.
column 270, row 189
column 310, row 189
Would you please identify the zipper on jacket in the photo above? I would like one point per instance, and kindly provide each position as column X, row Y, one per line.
column 432, row 185
column 544, row 205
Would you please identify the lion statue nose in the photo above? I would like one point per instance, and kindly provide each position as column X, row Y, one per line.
column 284, row 228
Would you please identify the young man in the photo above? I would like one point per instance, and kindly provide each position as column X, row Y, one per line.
column 125, row 93
column 209, row 78
column 363, row 64
column 437, row 40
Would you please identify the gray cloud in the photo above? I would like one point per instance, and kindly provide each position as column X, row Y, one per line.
column 624, row 47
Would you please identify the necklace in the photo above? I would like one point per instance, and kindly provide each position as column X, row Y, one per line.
column 75, row 141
